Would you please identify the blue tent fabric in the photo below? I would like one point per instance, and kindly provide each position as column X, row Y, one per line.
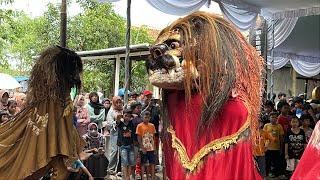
column 121, row 92
column 21, row 78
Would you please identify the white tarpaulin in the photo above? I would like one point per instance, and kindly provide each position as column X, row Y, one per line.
column 8, row 82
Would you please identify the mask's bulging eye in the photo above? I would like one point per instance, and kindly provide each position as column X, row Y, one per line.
column 174, row 45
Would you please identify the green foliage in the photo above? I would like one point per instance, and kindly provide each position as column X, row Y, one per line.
column 97, row 27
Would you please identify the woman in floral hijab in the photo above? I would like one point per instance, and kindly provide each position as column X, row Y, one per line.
column 82, row 114
column 115, row 110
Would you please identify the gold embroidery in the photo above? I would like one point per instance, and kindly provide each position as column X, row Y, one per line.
column 37, row 123
column 68, row 109
column 215, row 145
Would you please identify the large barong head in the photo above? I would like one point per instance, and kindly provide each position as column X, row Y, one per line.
column 56, row 71
column 204, row 53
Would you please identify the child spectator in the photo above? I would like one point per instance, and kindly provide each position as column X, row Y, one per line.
column 146, row 134
column 75, row 170
column 12, row 108
column 4, row 116
column 306, row 118
column 136, row 108
column 97, row 162
column 295, row 143
column 273, row 153
column 284, row 117
column 298, row 107
column 268, row 108
column 125, row 142
column 259, row 148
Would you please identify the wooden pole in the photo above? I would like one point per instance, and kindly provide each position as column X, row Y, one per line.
column 63, row 24
column 127, row 60
column 117, row 76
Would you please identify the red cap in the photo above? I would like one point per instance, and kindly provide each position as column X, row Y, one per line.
column 147, row 92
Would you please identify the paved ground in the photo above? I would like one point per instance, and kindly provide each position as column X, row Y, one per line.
column 158, row 175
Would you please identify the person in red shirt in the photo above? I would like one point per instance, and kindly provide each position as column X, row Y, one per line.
column 284, row 118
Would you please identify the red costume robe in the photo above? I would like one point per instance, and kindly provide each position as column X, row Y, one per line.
column 309, row 165
column 236, row 162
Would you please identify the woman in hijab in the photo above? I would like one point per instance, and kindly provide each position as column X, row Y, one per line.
column 97, row 163
column 115, row 110
column 96, row 110
column 82, row 114
column 107, row 105
column 4, row 96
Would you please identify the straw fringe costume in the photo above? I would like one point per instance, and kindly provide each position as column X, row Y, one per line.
column 42, row 137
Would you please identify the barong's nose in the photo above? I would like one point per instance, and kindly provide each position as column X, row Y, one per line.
column 159, row 58
column 158, row 50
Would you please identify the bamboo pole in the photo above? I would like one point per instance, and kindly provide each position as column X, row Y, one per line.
column 63, row 24
column 127, row 59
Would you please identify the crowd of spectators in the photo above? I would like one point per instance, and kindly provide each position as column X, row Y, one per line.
column 121, row 140
column 124, row 140
column 285, row 128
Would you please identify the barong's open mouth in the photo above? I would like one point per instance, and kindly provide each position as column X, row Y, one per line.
column 166, row 64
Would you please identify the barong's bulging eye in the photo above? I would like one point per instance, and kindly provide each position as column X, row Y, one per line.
column 174, row 45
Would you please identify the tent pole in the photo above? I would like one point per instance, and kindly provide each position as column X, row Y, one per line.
column 272, row 62
column 117, row 76
column 127, row 60
column 63, row 24
column 305, row 89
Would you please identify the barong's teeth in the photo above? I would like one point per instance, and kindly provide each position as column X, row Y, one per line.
column 176, row 60
column 157, row 71
column 164, row 71
column 171, row 72
column 183, row 63
column 178, row 69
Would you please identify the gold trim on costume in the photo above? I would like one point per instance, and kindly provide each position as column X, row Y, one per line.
column 68, row 109
column 38, row 123
column 215, row 145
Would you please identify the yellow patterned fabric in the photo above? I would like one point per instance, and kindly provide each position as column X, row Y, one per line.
column 37, row 136
column 215, row 145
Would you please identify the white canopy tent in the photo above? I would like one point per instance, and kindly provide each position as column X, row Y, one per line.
column 295, row 23
column 293, row 27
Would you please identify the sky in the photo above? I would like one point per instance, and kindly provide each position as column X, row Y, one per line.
column 141, row 12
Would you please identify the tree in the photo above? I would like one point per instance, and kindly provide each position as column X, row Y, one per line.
column 97, row 27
